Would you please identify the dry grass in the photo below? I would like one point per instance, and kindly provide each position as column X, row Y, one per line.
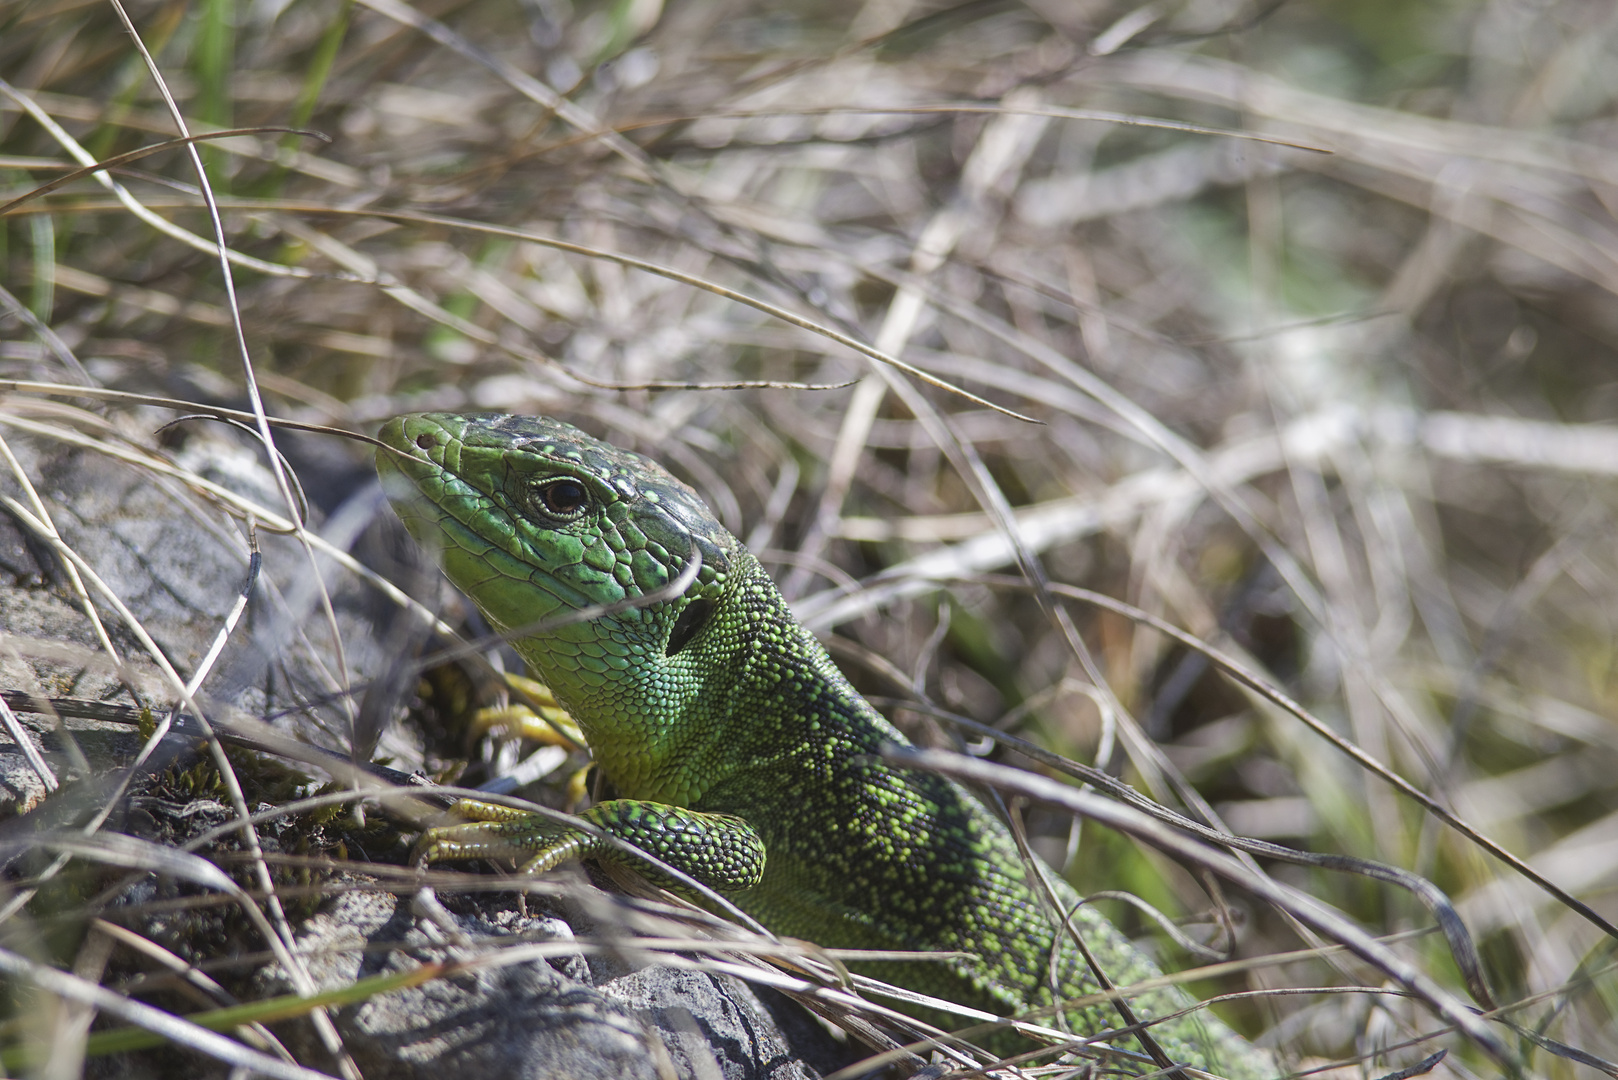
column 1340, row 414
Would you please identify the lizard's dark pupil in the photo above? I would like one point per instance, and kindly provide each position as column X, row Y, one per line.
column 562, row 496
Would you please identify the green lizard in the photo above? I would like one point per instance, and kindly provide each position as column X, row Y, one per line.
column 741, row 754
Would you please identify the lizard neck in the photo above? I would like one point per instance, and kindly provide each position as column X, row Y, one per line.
column 751, row 688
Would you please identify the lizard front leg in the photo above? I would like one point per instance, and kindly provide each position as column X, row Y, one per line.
column 722, row 852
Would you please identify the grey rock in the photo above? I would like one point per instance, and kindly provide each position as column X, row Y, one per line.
column 529, row 1020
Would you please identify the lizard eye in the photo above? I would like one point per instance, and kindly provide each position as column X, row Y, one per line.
column 562, row 498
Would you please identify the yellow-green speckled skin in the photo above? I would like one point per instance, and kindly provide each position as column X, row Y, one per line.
column 749, row 725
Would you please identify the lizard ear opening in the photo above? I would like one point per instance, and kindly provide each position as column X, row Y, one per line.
column 690, row 621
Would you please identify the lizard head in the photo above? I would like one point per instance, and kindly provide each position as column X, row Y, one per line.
column 578, row 550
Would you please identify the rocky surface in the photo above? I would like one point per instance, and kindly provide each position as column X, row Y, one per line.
column 568, row 1016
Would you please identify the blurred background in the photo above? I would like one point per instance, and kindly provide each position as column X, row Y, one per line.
column 1335, row 398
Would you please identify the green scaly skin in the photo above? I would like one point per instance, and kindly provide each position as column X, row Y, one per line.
column 741, row 754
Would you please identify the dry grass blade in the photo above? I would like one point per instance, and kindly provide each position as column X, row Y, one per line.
column 145, row 151
column 131, row 852
column 997, row 109
column 261, row 1012
column 160, row 1023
